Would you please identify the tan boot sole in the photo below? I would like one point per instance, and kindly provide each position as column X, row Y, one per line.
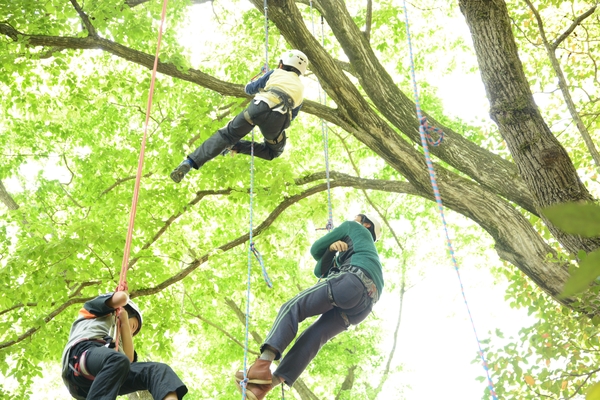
column 249, row 394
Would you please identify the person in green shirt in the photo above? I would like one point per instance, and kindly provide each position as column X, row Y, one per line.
column 348, row 262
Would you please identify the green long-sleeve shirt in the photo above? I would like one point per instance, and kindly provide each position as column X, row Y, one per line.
column 361, row 251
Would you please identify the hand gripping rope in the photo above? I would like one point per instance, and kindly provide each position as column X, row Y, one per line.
column 136, row 191
column 252, row 250
column 425, row 131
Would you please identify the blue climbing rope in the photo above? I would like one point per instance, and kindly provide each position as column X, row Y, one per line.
column 252, row 250
column 324, row 128
column 425, row 131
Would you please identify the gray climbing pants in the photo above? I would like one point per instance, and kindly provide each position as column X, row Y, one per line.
column 341, row 300
column 272, row 125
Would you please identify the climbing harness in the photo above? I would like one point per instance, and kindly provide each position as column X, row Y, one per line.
column 136, row 191
column 324, row 128
column 425, row 131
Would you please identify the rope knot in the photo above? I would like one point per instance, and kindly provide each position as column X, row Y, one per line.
column 262, row 265
column 122, row 287
column 429, row 129
column 329, row 225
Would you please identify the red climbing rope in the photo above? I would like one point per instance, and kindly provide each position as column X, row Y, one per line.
column 136, row 191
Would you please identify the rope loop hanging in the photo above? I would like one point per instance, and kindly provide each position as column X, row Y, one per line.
column 122, row 286
column 429, row 129
column 425, row 131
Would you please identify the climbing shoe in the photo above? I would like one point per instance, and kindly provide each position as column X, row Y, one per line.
column 182, row 169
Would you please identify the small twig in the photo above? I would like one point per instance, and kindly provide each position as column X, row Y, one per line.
column 572, row 27
column 85, row 19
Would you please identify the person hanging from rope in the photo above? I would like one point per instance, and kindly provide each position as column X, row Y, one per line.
column 277, row 101
column 92, row 369
column 353, row 281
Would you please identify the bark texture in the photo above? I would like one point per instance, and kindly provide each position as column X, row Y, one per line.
column 543, row 163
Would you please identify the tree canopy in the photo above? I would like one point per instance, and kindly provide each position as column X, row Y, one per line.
column 74, row 83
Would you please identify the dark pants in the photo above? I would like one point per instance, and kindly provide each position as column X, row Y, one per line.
column 271, row 124
column 342, row 300
column 115, row 375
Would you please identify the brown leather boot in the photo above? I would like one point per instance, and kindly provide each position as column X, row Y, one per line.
column 258, row 373
column 254, row 391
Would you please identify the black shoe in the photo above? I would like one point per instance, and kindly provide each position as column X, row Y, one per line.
column 182, row 169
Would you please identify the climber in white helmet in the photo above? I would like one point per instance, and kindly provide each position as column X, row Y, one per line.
column 277, row 100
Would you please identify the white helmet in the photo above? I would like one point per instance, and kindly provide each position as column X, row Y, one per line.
column 376, row 225
column 134, row 311
column 296, row 59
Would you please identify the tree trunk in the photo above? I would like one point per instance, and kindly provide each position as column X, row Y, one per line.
column 543, row 163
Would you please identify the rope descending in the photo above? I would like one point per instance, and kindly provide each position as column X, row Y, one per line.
column 425, row 131
column 252, row 250
column 324, row 128
column 122, row 286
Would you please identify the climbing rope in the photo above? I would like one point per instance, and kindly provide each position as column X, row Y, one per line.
column 425, row 131
column 252, row 250
column 324, row 128
column 122, row 286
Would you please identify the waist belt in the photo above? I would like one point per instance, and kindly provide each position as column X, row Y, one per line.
column 79, row 368
column 286, row 100
column 364, row 278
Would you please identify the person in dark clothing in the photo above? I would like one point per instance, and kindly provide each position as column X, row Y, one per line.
column 277, row 101
column 353, row 281
column 92, row 370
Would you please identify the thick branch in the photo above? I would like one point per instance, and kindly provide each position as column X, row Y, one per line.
column 7, row 199
column 488, row 169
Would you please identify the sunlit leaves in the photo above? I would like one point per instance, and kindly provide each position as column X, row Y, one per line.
column 584, row 220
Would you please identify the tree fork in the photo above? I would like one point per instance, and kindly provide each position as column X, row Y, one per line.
column 543, row 163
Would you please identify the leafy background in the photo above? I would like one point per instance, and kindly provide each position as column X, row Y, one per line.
column 70, row 134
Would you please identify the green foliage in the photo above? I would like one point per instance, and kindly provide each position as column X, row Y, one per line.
column 70, row 135
column 576, row 218
column 584, row 220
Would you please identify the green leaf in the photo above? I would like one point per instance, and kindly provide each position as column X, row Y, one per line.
column 593, row 393
column 589, row 269
column 576, row 218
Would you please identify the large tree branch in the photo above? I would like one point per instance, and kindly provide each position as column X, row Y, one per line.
column 488, row 169
column 516, row 242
